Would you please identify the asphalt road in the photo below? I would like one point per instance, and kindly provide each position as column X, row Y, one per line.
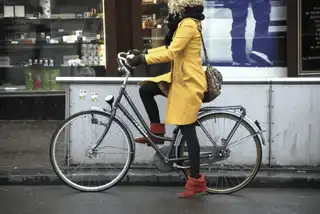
column 155, row 200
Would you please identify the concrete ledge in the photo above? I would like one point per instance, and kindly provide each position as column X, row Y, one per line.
column 264, row 179
column 236, row 81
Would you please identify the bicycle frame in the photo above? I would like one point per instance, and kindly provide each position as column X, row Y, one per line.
column 144, row 130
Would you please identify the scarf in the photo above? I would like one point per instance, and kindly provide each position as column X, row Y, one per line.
column 195, row 12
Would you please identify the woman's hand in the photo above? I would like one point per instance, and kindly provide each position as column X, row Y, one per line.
column 134, row 60
column 135, row 52
column 138, row 52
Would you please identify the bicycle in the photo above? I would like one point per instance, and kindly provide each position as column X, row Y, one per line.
column 173, row 157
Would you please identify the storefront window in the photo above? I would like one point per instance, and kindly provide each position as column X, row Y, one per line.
column 247, row 33
column 154, row 29
column 43, row 39
column 243, row 38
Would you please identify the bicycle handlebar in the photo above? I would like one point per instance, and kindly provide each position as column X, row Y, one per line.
column 124, row 66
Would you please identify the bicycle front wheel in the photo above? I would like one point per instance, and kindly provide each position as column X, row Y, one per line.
column 81, row 168
column 239, row 162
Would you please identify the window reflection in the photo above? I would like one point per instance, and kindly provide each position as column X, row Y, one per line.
column 154, row 13
column 237, row 33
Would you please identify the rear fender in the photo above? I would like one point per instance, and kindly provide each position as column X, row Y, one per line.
column 255, row 125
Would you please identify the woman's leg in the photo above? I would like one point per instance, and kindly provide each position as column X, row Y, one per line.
column 190, row 135
column 196, row 182
column 147, row 93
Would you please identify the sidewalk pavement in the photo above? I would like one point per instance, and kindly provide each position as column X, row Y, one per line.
column 24, row 159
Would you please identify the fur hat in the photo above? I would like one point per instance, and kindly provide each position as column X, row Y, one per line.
column 178, row 6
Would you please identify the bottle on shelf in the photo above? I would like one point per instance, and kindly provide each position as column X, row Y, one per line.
column 46, row 76
column 37, row 80
column 51, row 63
column 46, row 63
column 28, row 76
column 54, row 72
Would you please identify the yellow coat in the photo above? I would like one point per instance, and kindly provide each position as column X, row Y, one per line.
column 187, row 78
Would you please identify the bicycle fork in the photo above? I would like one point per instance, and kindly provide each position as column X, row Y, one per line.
column 94, row 120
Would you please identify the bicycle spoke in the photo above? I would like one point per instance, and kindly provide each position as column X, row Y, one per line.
column 239, row 141
column 114, row 147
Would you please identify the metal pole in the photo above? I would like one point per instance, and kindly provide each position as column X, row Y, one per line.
column 270, row 117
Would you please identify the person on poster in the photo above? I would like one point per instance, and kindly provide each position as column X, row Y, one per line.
column 261, row 12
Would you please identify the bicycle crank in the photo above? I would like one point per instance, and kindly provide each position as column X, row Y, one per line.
column 159, row 163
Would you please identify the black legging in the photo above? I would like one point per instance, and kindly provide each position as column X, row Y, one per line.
column 190, row 135
column 147, row 92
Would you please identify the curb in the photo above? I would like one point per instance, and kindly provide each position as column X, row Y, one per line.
column 264, row 179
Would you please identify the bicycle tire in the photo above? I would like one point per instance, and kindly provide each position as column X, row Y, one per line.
column 63, row 178
column 180, row 151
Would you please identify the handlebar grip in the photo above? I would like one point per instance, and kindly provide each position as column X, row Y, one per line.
column 123, row 63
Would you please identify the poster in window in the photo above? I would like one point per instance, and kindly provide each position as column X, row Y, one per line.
column 246, row 33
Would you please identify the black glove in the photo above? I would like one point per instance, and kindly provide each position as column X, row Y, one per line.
column 135, row 52
column 138, row 52
column 133, row 60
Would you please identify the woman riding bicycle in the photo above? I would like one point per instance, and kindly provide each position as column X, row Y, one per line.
column 184, row 85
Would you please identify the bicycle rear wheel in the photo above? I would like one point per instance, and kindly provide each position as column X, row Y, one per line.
column 221, row 174
column 81, row 168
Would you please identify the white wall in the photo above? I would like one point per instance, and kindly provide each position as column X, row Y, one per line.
column 295, row 136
